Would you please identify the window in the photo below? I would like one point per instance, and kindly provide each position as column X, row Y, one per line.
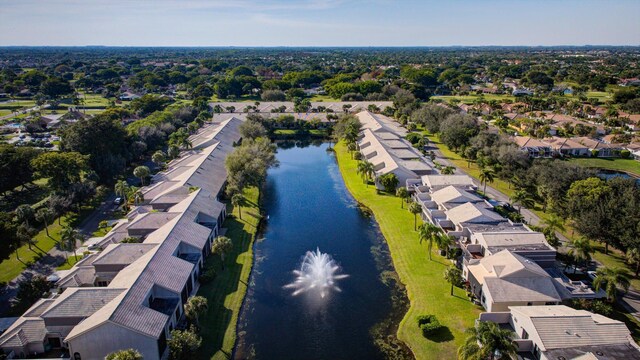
column 525, row 335
column 483, row 299
column 529, row 303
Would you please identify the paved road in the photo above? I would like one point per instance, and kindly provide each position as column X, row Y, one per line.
column 22, row 111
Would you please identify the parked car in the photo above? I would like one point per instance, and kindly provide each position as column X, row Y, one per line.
column 592, row 275
column 117, row 201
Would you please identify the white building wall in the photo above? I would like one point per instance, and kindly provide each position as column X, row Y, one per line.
column 97, row 343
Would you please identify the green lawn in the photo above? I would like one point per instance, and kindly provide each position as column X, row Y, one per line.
column 226, row 293
column 627, row 165
column 71, row 261
column 325, row 98
column 427, row 290
column 12, row 267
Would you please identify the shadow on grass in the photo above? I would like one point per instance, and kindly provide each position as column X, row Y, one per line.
column 216, row 321
column 443, row 335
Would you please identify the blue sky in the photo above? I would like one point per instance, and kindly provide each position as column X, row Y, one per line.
column 319, row 22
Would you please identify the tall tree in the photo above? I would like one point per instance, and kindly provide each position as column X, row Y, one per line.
column 487, row 175
column 69, row 237
column 195, row 307
column 141, row 172
column 415, row 209
column 428, row 232
column 402, row 193
column 453, row 275
column 237, row 200
column 487, row 340
column 222, row 245
column 610, row 279
column 45, row 215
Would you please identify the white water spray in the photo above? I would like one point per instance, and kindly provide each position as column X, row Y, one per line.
column 318, row 273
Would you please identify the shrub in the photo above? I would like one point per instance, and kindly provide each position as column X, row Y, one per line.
column 413, row 138
column 207, row 276
column 357, row 156
column 429, row 324
column 625, row 154
column 273, row 95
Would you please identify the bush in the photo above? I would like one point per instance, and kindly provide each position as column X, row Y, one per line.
column 413, row 138
column 357, row 156
column 273, row 95
column 207, row 276
column 429, row 324
column 625, row 154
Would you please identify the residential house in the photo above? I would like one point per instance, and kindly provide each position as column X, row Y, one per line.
column 507, row 279
column 534, row 147
column 567, row 147
column 556, row 332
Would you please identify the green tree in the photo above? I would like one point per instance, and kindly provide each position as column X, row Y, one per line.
column 195, row 307
column 445, row 242
column 45, row 216
column 610, row 279
column 415, row 209
column 29, row 291
column 366, row 171
column 389, row 182
column 69, row 238
column 633, row 258
column 237, row 200
column 173, row 151
column 122, row 189
column 487, row 340
column 453, row 275
column 183, row 344
column 60, row 168
column 252, row 130
column 159, row 158
column 428, row 232
column 403, row 194
column 522, row 198
column 128, row 354
column 222, row 245
column 580, row 249
column 448, row 170
column 487, row 175
column 141, row 172
column 24, row 214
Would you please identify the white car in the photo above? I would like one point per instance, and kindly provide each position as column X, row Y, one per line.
column 592, row 275
column 117, row 201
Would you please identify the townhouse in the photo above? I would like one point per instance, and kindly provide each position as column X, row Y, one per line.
column 131, row 295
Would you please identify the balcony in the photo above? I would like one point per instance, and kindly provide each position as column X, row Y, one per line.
column 166, row 306
column 190, row 257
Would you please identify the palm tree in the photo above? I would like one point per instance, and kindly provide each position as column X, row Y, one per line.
column 487, row 341
column 195, row 307
column 141, row 172
column 173, row 151
column 185, row 143
column 554, row 222
column 122, row 189
column 236, row 200
column 24, row 213
column 444, row 242
column 415, row 209
column 487, row 175
column 25, row 234
column 453, row 275
column 611, row 278
column 44, row 215
column 137, row 196
column 428, row 231
column 402, row 193
column 580, row 249
column 69, row 238
column 221, row 246
column 448, row 170
column 158, row 157
column 351, row 146
column 522, row 198
column 633, row 257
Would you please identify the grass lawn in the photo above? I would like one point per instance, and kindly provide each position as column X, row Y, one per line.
column 326, row 98
column 12, row 267
column 627, row 165
column 427, row 290
column 72, row 261
column 226, row 293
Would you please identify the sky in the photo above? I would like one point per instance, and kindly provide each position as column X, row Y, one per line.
column 319, row 22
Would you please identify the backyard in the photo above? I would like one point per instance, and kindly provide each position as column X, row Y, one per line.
column 427, row 290
column 226, row 293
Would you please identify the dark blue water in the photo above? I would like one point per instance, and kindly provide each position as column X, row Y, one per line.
column 308, row 207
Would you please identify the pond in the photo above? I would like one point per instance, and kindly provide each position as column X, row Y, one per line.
column 347, row 302
column 610, row 174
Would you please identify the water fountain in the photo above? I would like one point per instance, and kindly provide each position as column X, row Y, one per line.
column 318, row 273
